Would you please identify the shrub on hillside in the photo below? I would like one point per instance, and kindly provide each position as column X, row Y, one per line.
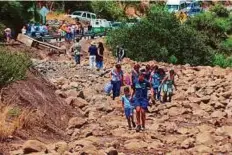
column 2, row 27
column 226, row 46
column 13, row 66
column 161, row 37
column 220, row 11
column 222, row 61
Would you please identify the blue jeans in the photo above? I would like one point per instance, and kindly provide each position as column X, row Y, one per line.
column 68, row 36
column 99, row 64
column 77, row 59
column 116, row 88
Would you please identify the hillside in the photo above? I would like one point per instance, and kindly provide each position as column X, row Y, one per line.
column 198, row 121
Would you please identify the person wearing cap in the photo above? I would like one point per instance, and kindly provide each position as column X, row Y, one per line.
column 116, row 80
column 7, row 32
column 140, row 97
column 76, row 49
column 92, row 55
column 168, row 82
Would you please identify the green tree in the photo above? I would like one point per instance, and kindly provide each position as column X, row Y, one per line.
column 220, row 10
column 15, row 14
column 110, row 10
column 160, row 36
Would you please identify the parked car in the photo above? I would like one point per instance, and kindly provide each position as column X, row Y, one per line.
column 193, row 8
column 100, row 25
column 83, row 15
column 176, row 5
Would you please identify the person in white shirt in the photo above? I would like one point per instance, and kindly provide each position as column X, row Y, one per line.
column 8, row 34
column 24, row 30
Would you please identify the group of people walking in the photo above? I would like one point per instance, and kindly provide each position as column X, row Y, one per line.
column 96, row 52
column 138, row 84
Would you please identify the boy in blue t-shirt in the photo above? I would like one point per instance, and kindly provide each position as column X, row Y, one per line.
column 128, row 108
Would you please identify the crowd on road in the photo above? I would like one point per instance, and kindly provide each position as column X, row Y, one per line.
column 64, row 30
column 138, row 83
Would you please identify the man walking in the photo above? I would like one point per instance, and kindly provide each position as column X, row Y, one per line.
column 120, row 53
column 76, row 50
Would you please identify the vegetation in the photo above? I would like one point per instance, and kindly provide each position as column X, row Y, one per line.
column 15, row 14
column 108, row 9
column 12, row 119
column 13, row 66
column 202, row 40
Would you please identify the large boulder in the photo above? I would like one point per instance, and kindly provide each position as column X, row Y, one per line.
column 32, row 146
column 135, row 145
column 76, row 122
column 205, row 138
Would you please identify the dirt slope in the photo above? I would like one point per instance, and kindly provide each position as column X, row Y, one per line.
column 48, row 113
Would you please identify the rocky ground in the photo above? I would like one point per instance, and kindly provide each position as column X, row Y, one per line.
column 197, row 121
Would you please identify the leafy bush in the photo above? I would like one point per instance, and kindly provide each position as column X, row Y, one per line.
column 160, row 36
column 108, row 9
column 220, row 10
column 173, row 59
column 13, row 66
column 226, row 46
column 222, row 61
column 2, row 27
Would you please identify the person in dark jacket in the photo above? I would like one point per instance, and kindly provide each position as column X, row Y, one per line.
column 120, row 53
column 92, row 55
column 99, row 57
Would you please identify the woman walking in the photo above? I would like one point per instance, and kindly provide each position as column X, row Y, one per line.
column 99, row 56
column 116, row 80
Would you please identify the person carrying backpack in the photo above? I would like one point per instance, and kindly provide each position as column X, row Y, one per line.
column 76, row 48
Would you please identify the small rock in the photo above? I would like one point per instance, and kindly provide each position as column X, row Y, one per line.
column 61, row 94
column 72, row 93
column 81, row 94
column 203, row 149
column 205, row 99
column 111, row 151
column 61, row 147
column 218, row 114
column 188, row 143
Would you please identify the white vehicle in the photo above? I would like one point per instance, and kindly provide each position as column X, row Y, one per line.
column 100, row 23
column 176, row 5
column 83, row 15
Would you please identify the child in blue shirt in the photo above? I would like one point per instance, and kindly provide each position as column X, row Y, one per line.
column 128, row 108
